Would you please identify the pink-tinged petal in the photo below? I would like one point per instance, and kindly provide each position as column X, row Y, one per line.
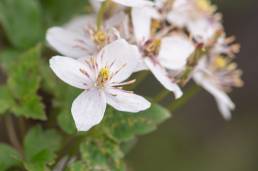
column 80, row 24
column 161, row 76
column 224, row 103
column 141, row 19
column 68, row 43
column 175, row 51
column 125, row 101
column 121, row 58
column 88, row 109
column 71, row 71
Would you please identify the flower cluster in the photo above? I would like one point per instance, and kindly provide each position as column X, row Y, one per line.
column 176, row 40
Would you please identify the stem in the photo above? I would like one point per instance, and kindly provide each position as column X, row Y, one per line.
column 139, row 79
column 101, row 13
column 162, row 94
column 185, row 98
column 12, row 134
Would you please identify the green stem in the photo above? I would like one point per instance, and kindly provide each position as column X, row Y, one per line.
column 139, row 79
column 185, row 98
column 162, row 94
column 101, row 13
column 12, row 133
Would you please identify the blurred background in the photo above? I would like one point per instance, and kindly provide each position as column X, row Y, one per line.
column 196, row 138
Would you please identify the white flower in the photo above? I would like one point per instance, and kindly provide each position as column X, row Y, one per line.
column 101, row 78
column 130, row 3
column 79, row 39
column 205, row 79
column 160, row 54
column 197, row 16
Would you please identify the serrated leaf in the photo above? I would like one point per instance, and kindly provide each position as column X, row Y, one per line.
column 31, row 107
column 125, row 126
column 102, row 154
column 24, row 75
column 23, row 82
column 6, row 100
column 9, row 157
column 40, row 147
column 22, row 22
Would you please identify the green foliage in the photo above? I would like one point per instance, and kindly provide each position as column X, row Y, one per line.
column 9, row 157
column 60, row 11
column 22, row 22
column 6, row 101
column 40, row 147
column 23, row 83
column 124, row 126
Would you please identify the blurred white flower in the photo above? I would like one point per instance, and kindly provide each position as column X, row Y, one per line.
column 101, row 78
column 218, row 75
column 198, row 16
column 79, row 38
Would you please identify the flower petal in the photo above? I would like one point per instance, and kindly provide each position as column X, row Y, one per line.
column 88, row 109
column 141, row 19
column 161, row 76
column 69, row 70
column 80, row 23
column 224, row 103
column 66, row 42
column 125, row 101
column 121, row 57
column 174, row 52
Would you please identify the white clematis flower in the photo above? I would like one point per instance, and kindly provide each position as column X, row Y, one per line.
column 79, row 39
column 101, row 78
column 197, row 16
column 205, row 79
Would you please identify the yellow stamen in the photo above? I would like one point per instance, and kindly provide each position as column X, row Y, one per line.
column 100, row 37
column 220, row 62
column 155, row 25
column 153, row 47
column 103, row 76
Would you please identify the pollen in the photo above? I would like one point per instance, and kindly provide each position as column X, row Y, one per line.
column 220, row 62
column 100, row 37
column 152, row 47
column 103, row 77
column 155, row 26
column 205, row 6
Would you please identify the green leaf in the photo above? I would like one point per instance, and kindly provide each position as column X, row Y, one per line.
column 40, row 147
column 6, row 100
column 31, row 107
column 23, row 82
column 77, row 166
column 102, row 154
column 9, row 157
column 124, row 126
column 24, row 76
column 64, row 103
column 22, row 22
column 60, row 11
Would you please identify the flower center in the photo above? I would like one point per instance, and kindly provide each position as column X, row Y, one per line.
column 155, row 26
column 100, row 37
column 103, row 77
column 220, row 62
column 152, row 47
